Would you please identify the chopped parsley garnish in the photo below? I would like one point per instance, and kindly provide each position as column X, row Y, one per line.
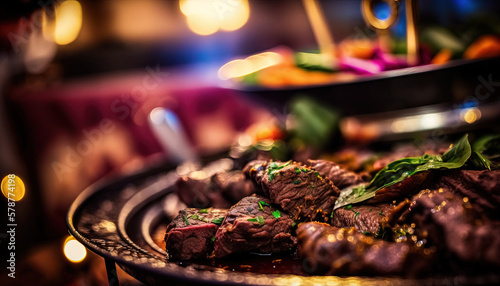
column 312, row 186
column 274, row 166
column 185, row 219
column 331, row 215
column 213, row 238
column 294, row 224
column 260, row 206
column 296, row 182
column 204, row 211
column 259, row 219
column 271, row 176
column 218, row 220
column 301, row 170
column 317, row 174
column 367, row 233
column 195, row 216
column 264, row 203
column 381, row 213
column 348, row 207
column 277, row 214
column 357, row 213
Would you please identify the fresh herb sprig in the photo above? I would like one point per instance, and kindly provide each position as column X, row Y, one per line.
column 218, row 220
column 277, row 214
column 486, row 152
column 273, row 169
column 185, row 219
column 258, row 219
column 401, row 169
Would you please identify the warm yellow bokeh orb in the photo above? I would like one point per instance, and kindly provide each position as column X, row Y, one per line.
column 234, row 16
column 68, row 22
column 203, row 24
column 13, row 187
column 205, row 17
column 242, row 67
column 472, row 115
column 74, row 250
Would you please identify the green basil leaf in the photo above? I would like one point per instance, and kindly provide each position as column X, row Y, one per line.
column 478, row 160
column 401, row 169
column 486, row 152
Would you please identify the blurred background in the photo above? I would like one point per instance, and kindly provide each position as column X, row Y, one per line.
column 80, row 82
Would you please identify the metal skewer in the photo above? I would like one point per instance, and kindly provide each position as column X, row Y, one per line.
column 320, row 28
column 411, row 33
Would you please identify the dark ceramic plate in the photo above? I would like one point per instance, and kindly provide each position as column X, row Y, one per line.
column 123, row 221
column 450, row 83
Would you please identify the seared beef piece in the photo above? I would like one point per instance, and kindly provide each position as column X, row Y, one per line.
column 302, row 192
column 196, row 193
column 220, row 191
column 450, row 223
column 338, row 251
column 256, row 170
column 192, row 240
column 340, row 177
column 365, row 218
column 353, row 158
column 253, row 224
column 233, row 185
column 481, row 187
column 396, row 214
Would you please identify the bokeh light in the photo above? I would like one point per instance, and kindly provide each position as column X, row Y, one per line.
column 68, row 22
column 471, row 115
column 207, row 17
column 74, row 250
column 238, row 68
column 13, row 187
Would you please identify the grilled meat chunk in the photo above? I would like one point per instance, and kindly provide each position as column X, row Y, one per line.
column 340, row 177
column 300, row 191
column 365, row 218
column 221, row 191
column 254, row 224
column 190, row 234
column 482, row 188
column 338, row 251
column 450, row 223
column 233, row 185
